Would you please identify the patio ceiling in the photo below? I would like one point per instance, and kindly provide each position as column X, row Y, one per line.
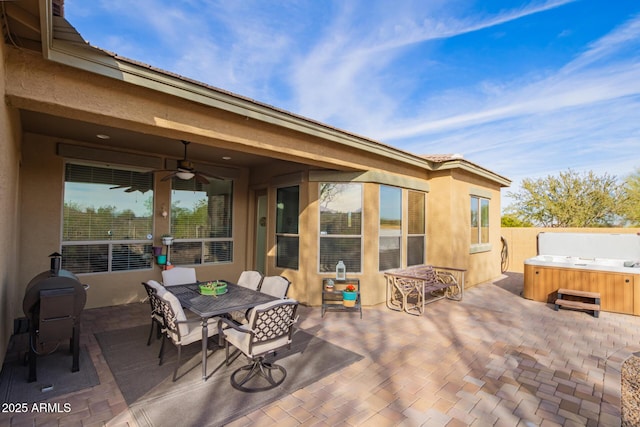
column 76, row 130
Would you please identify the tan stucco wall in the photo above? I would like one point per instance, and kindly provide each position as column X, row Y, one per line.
column 372, row 282
column 448, row 225
column 40, row 232
column 448, row 237
column 9, row 212
column 48, row 87
column 522, row 241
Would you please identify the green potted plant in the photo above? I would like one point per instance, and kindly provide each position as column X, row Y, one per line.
column 349, row 296
column 167, row 239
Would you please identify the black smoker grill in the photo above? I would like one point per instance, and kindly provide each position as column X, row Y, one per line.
column 53, row 302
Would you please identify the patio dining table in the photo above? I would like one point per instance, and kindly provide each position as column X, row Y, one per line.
column 237, row 298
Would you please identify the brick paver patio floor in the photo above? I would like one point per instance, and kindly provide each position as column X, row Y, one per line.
column 493, row 359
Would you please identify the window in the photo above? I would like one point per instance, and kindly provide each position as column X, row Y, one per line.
column 201, row 223
column 340, row 226
column 390, row 227
column 287, row 239
column 416, row 229
column 107, row 219
column 479, row 220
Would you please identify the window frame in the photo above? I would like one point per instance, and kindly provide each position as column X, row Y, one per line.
column 479, row 245
column 423, row 234
column 326, row 237
column 287, row 235
column 399, row 232
column 207, row 244
column 110, row 244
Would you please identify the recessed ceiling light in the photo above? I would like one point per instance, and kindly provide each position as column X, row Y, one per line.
column 103, row 136
column 226, row 157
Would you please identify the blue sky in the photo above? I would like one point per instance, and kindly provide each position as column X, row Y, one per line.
column 523, row 88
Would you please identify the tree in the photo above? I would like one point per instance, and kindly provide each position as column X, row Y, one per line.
column 631, row 204
column 569, row 200
column 511, row 220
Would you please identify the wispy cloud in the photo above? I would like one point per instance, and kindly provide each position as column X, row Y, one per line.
column 347, row 78
column 377, row 70
column 586, row 116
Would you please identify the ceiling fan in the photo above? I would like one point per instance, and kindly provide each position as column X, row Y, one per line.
column 185, row 169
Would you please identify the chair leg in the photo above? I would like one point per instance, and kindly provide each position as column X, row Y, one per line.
column 161, row 353
column 151, row 332
column 175, row 371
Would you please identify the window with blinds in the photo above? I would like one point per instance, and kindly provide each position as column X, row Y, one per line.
column 287, row 238
column 416, row 230
column 201, row 221
column 107, row 219
column 390, row 233
column 340, row 226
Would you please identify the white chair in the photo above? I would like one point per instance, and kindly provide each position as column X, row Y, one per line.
column 270, row 327
column 250, row 279
column 179, row 276
column 276, row 286
column 180, row 330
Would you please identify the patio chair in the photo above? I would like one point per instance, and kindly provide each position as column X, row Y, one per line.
column 180, row 330
column 154, row 291
column 250, row 279
column 179, row 276
column 276, row 286
column 270, row 328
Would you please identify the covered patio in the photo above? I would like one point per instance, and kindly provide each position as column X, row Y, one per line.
column 494, row 358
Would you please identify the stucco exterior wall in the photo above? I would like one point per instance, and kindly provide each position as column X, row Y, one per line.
column 40, row 232
column 43, row 86
column 9, row 212
column 448, row 225
column 372, row 283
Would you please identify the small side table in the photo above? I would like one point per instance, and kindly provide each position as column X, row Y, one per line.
column 332, row 300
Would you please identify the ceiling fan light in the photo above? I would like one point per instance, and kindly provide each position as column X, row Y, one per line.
column 185, row 175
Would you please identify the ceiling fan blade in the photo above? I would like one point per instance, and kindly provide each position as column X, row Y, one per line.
column 201, row 178
column 171, row 175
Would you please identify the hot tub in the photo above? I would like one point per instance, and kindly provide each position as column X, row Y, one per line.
column 604, row 263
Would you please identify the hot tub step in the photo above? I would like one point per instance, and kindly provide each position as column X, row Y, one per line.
column 576, row 304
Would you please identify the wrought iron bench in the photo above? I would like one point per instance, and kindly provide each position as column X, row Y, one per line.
column 410, row 289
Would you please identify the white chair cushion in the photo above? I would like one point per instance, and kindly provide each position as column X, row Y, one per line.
column 160, row 290
column 179, row 312
column 179, row 276
column 276, row 286
column 187, row 329
column 241, row 340
column 250, row 279
column 195, row 331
